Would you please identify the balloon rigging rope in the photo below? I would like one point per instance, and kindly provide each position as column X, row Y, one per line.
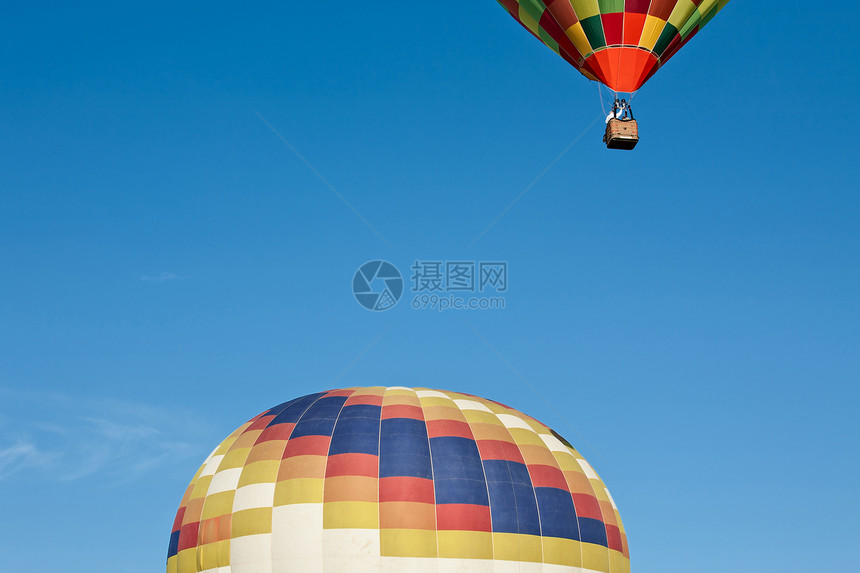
column 600, row 97
column 603, row 98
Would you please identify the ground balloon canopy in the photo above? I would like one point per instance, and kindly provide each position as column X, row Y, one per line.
column 393, row 480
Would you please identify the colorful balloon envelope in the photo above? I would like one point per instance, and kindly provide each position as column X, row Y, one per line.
column 394, row 480
column 620, row 43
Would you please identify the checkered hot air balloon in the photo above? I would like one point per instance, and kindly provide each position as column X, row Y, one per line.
column 620, row 43
column 396, row 480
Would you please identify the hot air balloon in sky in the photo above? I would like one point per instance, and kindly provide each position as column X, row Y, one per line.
column 619, row 43
column 396, row 480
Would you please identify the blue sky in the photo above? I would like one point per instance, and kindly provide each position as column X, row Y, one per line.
column 169, row 267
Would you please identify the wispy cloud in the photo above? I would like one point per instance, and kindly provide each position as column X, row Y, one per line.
column 23, row 454
column 76, row 437
column 162, row 277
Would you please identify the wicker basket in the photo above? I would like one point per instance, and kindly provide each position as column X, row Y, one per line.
column 621, row 134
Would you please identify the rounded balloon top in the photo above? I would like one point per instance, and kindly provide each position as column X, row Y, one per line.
column 395, row 480
column 620, row 43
